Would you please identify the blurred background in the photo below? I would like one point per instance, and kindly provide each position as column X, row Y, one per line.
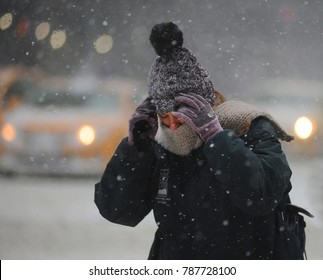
column 71, row 74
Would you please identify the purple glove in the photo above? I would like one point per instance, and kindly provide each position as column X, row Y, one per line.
column 143, row 123
column 198, row 113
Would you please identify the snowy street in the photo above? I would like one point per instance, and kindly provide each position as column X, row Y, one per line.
column 55, row 218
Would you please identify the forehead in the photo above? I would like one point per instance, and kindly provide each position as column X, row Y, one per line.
column 167, row 115
column 163, row 115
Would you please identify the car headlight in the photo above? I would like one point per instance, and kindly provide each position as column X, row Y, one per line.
column 86, row 135
column 8, row 132
column 304, row 127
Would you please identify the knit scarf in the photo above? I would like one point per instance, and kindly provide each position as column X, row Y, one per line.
column 238, row 116
column 234, row 115
column 181, row 141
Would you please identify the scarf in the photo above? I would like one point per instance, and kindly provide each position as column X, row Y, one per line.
column 181, row 141
column 234, row 115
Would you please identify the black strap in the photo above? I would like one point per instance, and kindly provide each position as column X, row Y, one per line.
column 297, row 209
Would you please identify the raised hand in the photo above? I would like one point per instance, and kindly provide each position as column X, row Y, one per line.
column 143, row 124
column 198, row 113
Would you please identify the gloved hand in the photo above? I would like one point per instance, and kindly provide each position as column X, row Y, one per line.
column 198, row 113
column 143, row 124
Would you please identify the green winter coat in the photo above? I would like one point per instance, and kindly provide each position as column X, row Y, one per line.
column 219, row 202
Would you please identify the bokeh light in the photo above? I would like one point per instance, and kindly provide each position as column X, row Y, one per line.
column 303, row 127
column 86, row 135
column 103, row 44
column 42, row 30
column 23, row 27
column 58, row 39
column 8, row 132
column 6, row 21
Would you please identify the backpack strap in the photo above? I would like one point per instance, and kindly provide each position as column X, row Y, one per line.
column 293, row 218
column 298, row 210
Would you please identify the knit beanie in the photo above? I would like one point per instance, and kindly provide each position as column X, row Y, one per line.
column 176, row 70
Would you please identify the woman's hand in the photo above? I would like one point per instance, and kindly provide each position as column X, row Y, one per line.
column 143, row 124
column 198, row 113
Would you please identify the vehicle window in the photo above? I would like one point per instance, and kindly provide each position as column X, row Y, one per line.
column 57, row 99
column 69, row 99
column 288, row 92
column 109, row 101
column 287, row 98
column 16, row 93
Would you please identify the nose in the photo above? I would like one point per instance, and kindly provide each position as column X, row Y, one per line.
column 173, row 122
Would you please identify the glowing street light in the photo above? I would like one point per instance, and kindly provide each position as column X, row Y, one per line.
column 6, row 21
column 103, row 44
column 42, row 30
column 58, row 39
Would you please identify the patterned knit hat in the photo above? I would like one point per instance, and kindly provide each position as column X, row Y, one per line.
column 176, row 70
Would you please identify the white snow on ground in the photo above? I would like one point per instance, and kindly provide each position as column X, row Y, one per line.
column 45, row 218
column 56, row 218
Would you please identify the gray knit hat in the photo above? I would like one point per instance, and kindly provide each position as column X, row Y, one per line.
column 176, row 70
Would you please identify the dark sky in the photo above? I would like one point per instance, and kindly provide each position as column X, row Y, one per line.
column 236, row 41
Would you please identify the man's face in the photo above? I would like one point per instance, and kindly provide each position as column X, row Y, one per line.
column 171, row 121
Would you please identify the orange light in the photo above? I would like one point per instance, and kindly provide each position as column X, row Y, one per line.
column 304, row 127
column 8, row 132
column 86, row 135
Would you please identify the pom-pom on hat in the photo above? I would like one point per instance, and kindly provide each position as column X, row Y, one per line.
column 176, row 70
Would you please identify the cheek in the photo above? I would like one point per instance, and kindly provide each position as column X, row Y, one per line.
column 165, row 122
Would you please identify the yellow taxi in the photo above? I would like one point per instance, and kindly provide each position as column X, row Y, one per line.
column 12, row 79
column 67, row 126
